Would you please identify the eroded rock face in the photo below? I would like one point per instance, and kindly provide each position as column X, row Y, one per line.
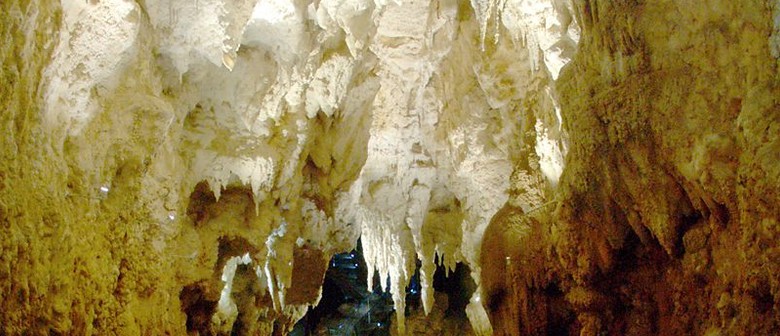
column 161, row 176
column 660, row 222
column 190, row 167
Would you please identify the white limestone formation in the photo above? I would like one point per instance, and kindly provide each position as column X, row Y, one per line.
column 400, row 122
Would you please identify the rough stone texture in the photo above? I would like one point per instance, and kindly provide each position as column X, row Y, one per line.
column 147, row 188
column 174, row 167
column 666, row 215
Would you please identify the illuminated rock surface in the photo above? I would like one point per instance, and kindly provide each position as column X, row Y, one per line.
column 192, row 166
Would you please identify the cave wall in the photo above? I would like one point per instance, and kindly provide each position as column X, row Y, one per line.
column 665, row 219
column 156, row 177
column 189, row 167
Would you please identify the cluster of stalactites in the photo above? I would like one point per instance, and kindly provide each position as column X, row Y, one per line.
column 406, row 165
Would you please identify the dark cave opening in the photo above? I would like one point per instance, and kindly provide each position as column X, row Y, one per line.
column 457, row 285
column 198, row 307
column 347, row 307
column 559, row 311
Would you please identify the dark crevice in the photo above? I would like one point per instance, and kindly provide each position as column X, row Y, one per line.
column 238, row 326
column 721, row 213
column 198, row 307
column 120, row 290
column 762, row 296
column 559, row 311
column 230, row 246
column 496, row 299
column 458, row 285
column 625, row 257
column 347, row 307
column 200, row 199
column 686, row 223
column 203, row 204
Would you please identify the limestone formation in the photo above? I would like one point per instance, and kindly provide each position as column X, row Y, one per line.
column 190, row 167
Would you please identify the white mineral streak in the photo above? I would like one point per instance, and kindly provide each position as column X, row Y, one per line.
column 478, row 317
column 485, row 11
column 549, row 152
column 95, row 45
column 226, row 309
column 774, row 39
column 329, row 86
column 543, row 26
column 355, row 18
column 191, row 31
column 278, row 266
column 279, row 27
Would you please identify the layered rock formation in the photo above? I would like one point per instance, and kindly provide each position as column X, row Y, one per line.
column 190, row 167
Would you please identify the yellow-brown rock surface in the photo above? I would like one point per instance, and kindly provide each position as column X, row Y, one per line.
column 665, row 218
